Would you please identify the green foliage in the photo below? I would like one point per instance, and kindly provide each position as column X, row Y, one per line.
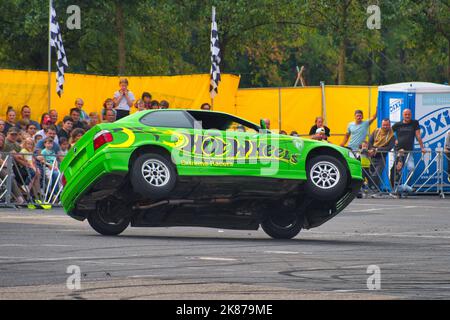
column 263, row 40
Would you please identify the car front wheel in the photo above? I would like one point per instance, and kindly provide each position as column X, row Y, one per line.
column 326, row 178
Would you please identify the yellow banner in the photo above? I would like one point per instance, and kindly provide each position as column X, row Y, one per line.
column 19, row 88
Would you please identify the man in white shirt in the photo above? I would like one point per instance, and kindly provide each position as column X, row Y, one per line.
column 123, row 99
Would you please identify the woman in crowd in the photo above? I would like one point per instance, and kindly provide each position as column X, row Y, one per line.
column 2, row 126
column 93, row 120
column 10, row 119
column 31, row 129
column 45, row 120
column 45, row 123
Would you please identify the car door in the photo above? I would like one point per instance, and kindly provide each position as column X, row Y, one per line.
column 273, row 154
column 255, row 153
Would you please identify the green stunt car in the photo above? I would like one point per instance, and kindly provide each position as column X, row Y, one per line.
column 164, row 168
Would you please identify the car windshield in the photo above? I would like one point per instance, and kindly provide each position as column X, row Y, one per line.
column 219, row 121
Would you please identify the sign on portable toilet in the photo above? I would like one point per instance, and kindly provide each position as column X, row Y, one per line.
column 430, row 105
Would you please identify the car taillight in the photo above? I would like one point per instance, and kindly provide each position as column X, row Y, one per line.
column 63, row 180
column 101, row 138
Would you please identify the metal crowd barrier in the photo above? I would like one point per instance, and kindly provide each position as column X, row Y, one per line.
column 396, row 173
column 384, row 177
column 23, row 186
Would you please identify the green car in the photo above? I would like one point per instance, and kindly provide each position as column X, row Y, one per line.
column 164, row 168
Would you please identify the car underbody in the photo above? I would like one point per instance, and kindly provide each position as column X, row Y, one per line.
column 239, row 203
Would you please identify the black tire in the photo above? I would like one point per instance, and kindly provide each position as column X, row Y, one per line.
column 333, row 173
column 282, row 225
column 100, row 222
column 154, row 184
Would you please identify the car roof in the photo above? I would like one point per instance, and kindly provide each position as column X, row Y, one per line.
column 143, row 113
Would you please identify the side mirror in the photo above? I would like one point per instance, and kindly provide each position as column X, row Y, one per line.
column 263, row 124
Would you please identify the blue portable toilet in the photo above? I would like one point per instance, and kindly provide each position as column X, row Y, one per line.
column 430, row 105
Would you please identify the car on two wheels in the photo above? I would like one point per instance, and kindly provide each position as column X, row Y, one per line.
column 164, row 168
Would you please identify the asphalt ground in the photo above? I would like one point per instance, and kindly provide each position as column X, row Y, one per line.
column 406, row 242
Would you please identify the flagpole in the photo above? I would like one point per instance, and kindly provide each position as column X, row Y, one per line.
column 49, row 56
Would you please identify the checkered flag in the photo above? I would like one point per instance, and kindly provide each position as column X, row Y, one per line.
column 56, row 41
column 215, row 59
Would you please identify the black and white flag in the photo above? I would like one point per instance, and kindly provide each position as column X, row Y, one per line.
column 57, row 43
column 215, row 58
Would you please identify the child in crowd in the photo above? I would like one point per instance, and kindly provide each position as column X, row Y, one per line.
column 363, row 156
column 37, row 138
column 51, row 168
column 108, row 105
column 75, row 136
column 64, row 145
column 49, row 154
column 154, row 104
column 140, row 105
column 33, row 173
column 164, row 104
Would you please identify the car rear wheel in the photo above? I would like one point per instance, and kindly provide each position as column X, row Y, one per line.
column 106, row 224
column 282, row 225
column 326, row 178
column 153, row 176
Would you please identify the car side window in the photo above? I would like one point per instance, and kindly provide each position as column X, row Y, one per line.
column 169, row 119
column 239, row 127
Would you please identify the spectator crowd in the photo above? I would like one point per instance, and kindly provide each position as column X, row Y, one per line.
column 373, row 152
column 37, row 148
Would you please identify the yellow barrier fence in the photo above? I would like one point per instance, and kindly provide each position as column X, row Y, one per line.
column 291, row 109
column 295, row 109
column 18, row 88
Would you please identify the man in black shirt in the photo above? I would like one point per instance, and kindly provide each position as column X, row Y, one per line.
column 406, row 131
column 75, row 114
